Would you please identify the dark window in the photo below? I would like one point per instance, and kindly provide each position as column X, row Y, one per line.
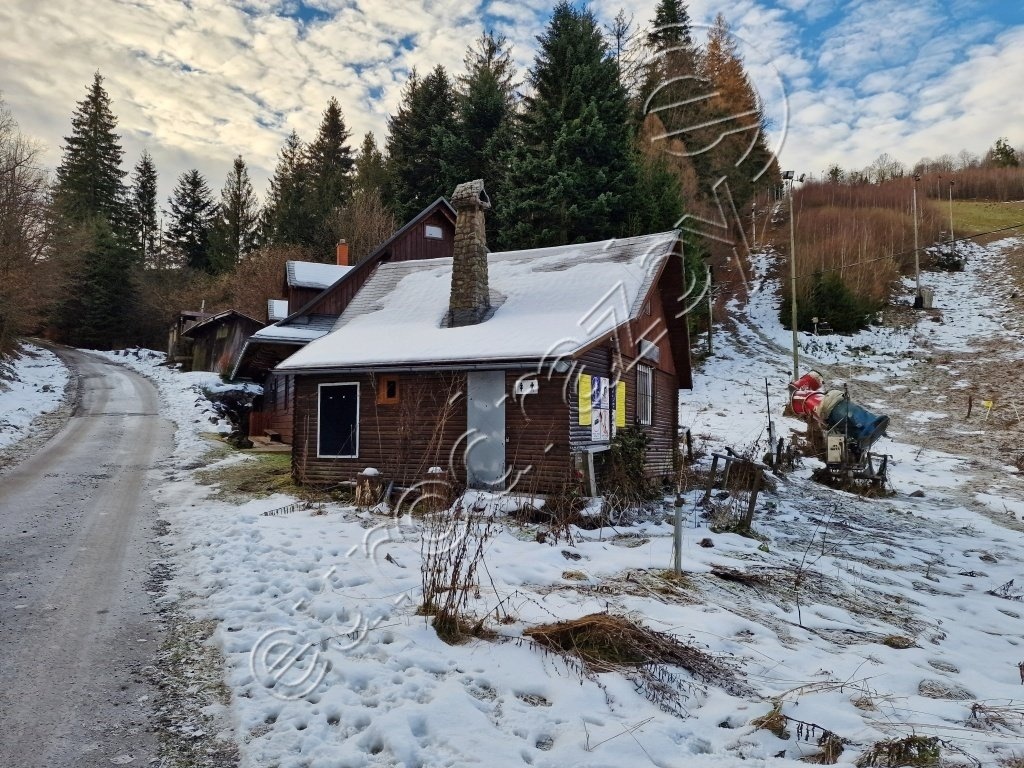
column 644, row 394
column 387, row 390
column 338, row 421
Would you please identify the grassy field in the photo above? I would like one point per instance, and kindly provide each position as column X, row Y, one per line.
column 971, row 217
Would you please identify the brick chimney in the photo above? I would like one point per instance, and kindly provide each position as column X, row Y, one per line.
column 470, row 299
column 342, row 251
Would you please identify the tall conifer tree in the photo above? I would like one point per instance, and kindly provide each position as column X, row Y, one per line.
column 142, row 213
column 485, row 127
column 89, row 177
column 192, row 217
column 330, row 162
column 235, row 233
column 575, row 176
column 287, row 217
column 420, row 143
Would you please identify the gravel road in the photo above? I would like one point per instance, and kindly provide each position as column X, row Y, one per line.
column 76, row 623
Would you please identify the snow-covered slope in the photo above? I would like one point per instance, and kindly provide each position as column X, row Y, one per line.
column 36, row 386
column 865, row 619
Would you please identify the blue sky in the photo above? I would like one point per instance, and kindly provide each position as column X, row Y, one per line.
column 198, row 82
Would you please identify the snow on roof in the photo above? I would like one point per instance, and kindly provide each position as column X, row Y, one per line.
column 295, row 332
column 308, row 274
column 550, row 301
column 277, row 309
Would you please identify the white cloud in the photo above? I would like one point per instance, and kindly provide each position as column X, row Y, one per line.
column 198, row 83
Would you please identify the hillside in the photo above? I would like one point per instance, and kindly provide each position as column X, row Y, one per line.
column 845, row 624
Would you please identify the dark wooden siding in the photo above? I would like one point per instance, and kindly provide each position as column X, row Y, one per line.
column 663, row 430
column 216, row 344
column 274, row 411
column 425, row 429
column 414, row 243
column 402, row 441
column 537, row 435
column 411, row 244
column 300, row 297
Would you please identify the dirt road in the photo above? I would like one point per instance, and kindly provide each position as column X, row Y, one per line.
column 75, row 623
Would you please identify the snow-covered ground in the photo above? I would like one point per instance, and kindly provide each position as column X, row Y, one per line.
column 184, row 397
column 35, row 386
column 868, row 619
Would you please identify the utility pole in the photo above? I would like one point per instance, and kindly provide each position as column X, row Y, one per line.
column 711, row 308
column 792, row 276
column 918, row 299
column 952, row 240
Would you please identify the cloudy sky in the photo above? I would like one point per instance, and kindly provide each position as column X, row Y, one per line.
column 197, row 82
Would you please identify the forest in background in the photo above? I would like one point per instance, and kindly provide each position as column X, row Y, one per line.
column 613, row 131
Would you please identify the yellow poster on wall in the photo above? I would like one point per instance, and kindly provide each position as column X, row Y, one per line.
column 584, row 400
column 620, row 404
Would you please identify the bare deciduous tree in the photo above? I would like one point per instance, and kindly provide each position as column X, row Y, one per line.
column 23, row 232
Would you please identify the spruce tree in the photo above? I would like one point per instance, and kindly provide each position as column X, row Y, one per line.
column 485, row 119
column 575, row 176
column 96, row 308
column 370, row 167
column 192, row 216
column 142, row 213
column 421, row 143
column 287, row 217
column 89, row 177
column 330, row 163
column 235, row 232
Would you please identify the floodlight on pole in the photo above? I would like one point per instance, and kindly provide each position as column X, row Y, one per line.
column 788, row 175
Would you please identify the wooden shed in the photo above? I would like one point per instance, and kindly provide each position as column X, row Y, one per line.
column 510, row 371
column 217, row 340
column 428, row 235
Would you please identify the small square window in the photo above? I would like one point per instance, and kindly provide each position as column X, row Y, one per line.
column 433, row 232
column 387, row 390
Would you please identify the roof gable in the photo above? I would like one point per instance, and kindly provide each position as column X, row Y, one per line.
column 550, row 302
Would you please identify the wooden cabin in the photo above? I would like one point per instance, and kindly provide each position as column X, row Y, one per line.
column 429, row 234
column 217, row 340
column 179, row 347
column 508, row 371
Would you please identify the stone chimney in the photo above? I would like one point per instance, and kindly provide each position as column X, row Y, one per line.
column 470, row 299
column 342, row 253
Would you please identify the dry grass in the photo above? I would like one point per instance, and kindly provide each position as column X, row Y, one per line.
column 602, row 642
column 864, row 232
column 257, row 476
column 896, row 753
column 608, row 643
column 973, row 216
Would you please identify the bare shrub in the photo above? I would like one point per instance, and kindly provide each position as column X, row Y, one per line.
column 452, row 548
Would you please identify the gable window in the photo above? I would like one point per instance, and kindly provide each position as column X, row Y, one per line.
column 432, row 232
column 644, row 394
column 387, row 390
column 338, row 421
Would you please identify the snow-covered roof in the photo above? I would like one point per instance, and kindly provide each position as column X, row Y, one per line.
column 295, row 333
column 550, row 302
column 277, row 309
column 308, row 274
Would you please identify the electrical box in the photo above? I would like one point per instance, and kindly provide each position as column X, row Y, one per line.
column 834, row 451
column 527, row 387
